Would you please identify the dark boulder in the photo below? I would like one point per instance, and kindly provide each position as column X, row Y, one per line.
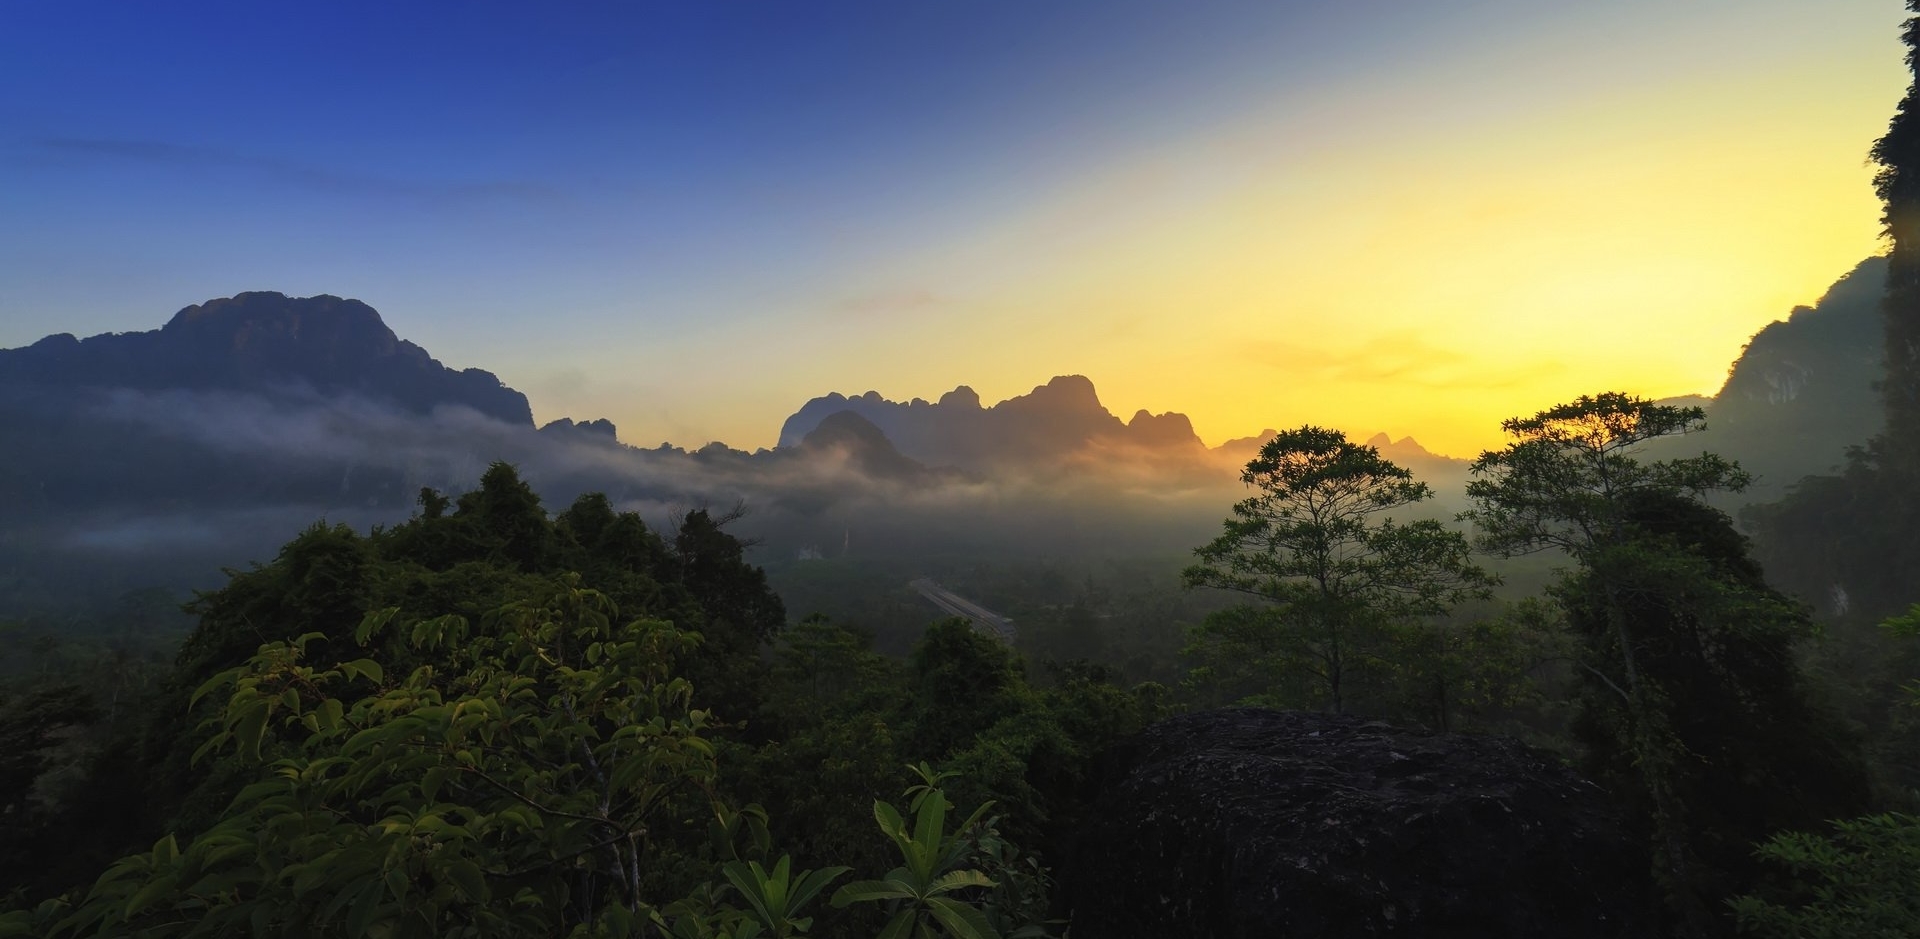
column 1250, row 824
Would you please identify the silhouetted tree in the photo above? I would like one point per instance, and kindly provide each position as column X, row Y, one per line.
column 1695, row 709
column 1334, row 576
column 1898, row 183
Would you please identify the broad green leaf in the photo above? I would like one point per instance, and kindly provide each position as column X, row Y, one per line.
column 329, row 714
column 750, row 880
column 150, row 893
column 929, row 832
column 366, row 907
column 956, row 880
column 398, row 883
column 962, row 920
column 810, row 883
column 366, row 668
column 893, row 827
column 901, row 926
column 216, row 681
column 466, row 876
column 372, row 623
column 251, row 728
column 868, row 891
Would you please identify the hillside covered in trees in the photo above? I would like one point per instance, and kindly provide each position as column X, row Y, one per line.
column 492, row 720
column 305, row 633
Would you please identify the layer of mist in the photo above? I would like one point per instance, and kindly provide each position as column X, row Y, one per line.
column 158, row 458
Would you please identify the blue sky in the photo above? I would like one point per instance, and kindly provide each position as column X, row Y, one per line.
column 692, row 216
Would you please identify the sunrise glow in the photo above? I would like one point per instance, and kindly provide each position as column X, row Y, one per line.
column 1260, row 216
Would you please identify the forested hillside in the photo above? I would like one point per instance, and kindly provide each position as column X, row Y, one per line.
column 491, row 721
column 867, row 470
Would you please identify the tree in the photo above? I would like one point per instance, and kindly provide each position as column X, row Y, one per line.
column 34, row 727
column 1334, row 574
column 527, row 782
column 1695, row 708
column 427, row 731
column 1856, row 880
column 733, row 609
column 959, row 884
column 961, row 683
column 1898, row 184
column 1847, row 539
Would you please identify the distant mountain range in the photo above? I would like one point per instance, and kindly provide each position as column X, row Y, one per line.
column 1060, row 423
column 1799, row 394
column 262, row 412
column 1060, row 417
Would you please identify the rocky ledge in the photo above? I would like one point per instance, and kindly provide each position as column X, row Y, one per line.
column 1245, row 823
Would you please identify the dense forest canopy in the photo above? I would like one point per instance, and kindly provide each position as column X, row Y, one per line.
column 444, row 706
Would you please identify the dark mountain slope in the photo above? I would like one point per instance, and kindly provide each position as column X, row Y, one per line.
column 1802, row 391
column 270, row 344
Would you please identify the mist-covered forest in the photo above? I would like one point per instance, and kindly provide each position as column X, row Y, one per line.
column 600, row 690
column 304, row 633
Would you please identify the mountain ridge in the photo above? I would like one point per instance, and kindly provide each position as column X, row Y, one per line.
column 269, row 343
column 1056, row 423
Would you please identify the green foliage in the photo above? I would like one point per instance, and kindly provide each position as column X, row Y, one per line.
column 520, row 787
column 961, row 682
column 1334, row 575
column 1463, row 673
column 1564, row 479
column 775, row 897
column 33, row 726
column 1860, row 882
column 926, row 896
column 730, row 605
column 1694, row 709
column 822, row 670
column 1897, row 180
column 72, row 705
column 497, row 548
column 833, row 718
column 450, row 728
column 1863, row 879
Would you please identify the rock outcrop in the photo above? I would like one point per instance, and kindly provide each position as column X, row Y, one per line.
column 1249, row 824
column 602, row 430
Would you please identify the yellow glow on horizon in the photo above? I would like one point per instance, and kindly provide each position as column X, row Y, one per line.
column 1441, row 284
column 1425, row 250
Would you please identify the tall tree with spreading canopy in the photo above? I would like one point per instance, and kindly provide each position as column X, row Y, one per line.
column 1333, row 573
column 1694, row 708
column 1898, row 183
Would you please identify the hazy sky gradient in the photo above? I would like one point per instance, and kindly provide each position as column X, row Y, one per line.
column 691, row 216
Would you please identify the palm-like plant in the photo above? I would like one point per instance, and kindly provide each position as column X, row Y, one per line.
column 775, row 897
column 920, row 891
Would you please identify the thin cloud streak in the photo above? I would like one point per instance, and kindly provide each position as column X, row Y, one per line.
column 292, row 173
column 1401, row 359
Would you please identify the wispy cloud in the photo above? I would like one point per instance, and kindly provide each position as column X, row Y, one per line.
column 884, row 302
column 796, row 494
column 293, row 173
